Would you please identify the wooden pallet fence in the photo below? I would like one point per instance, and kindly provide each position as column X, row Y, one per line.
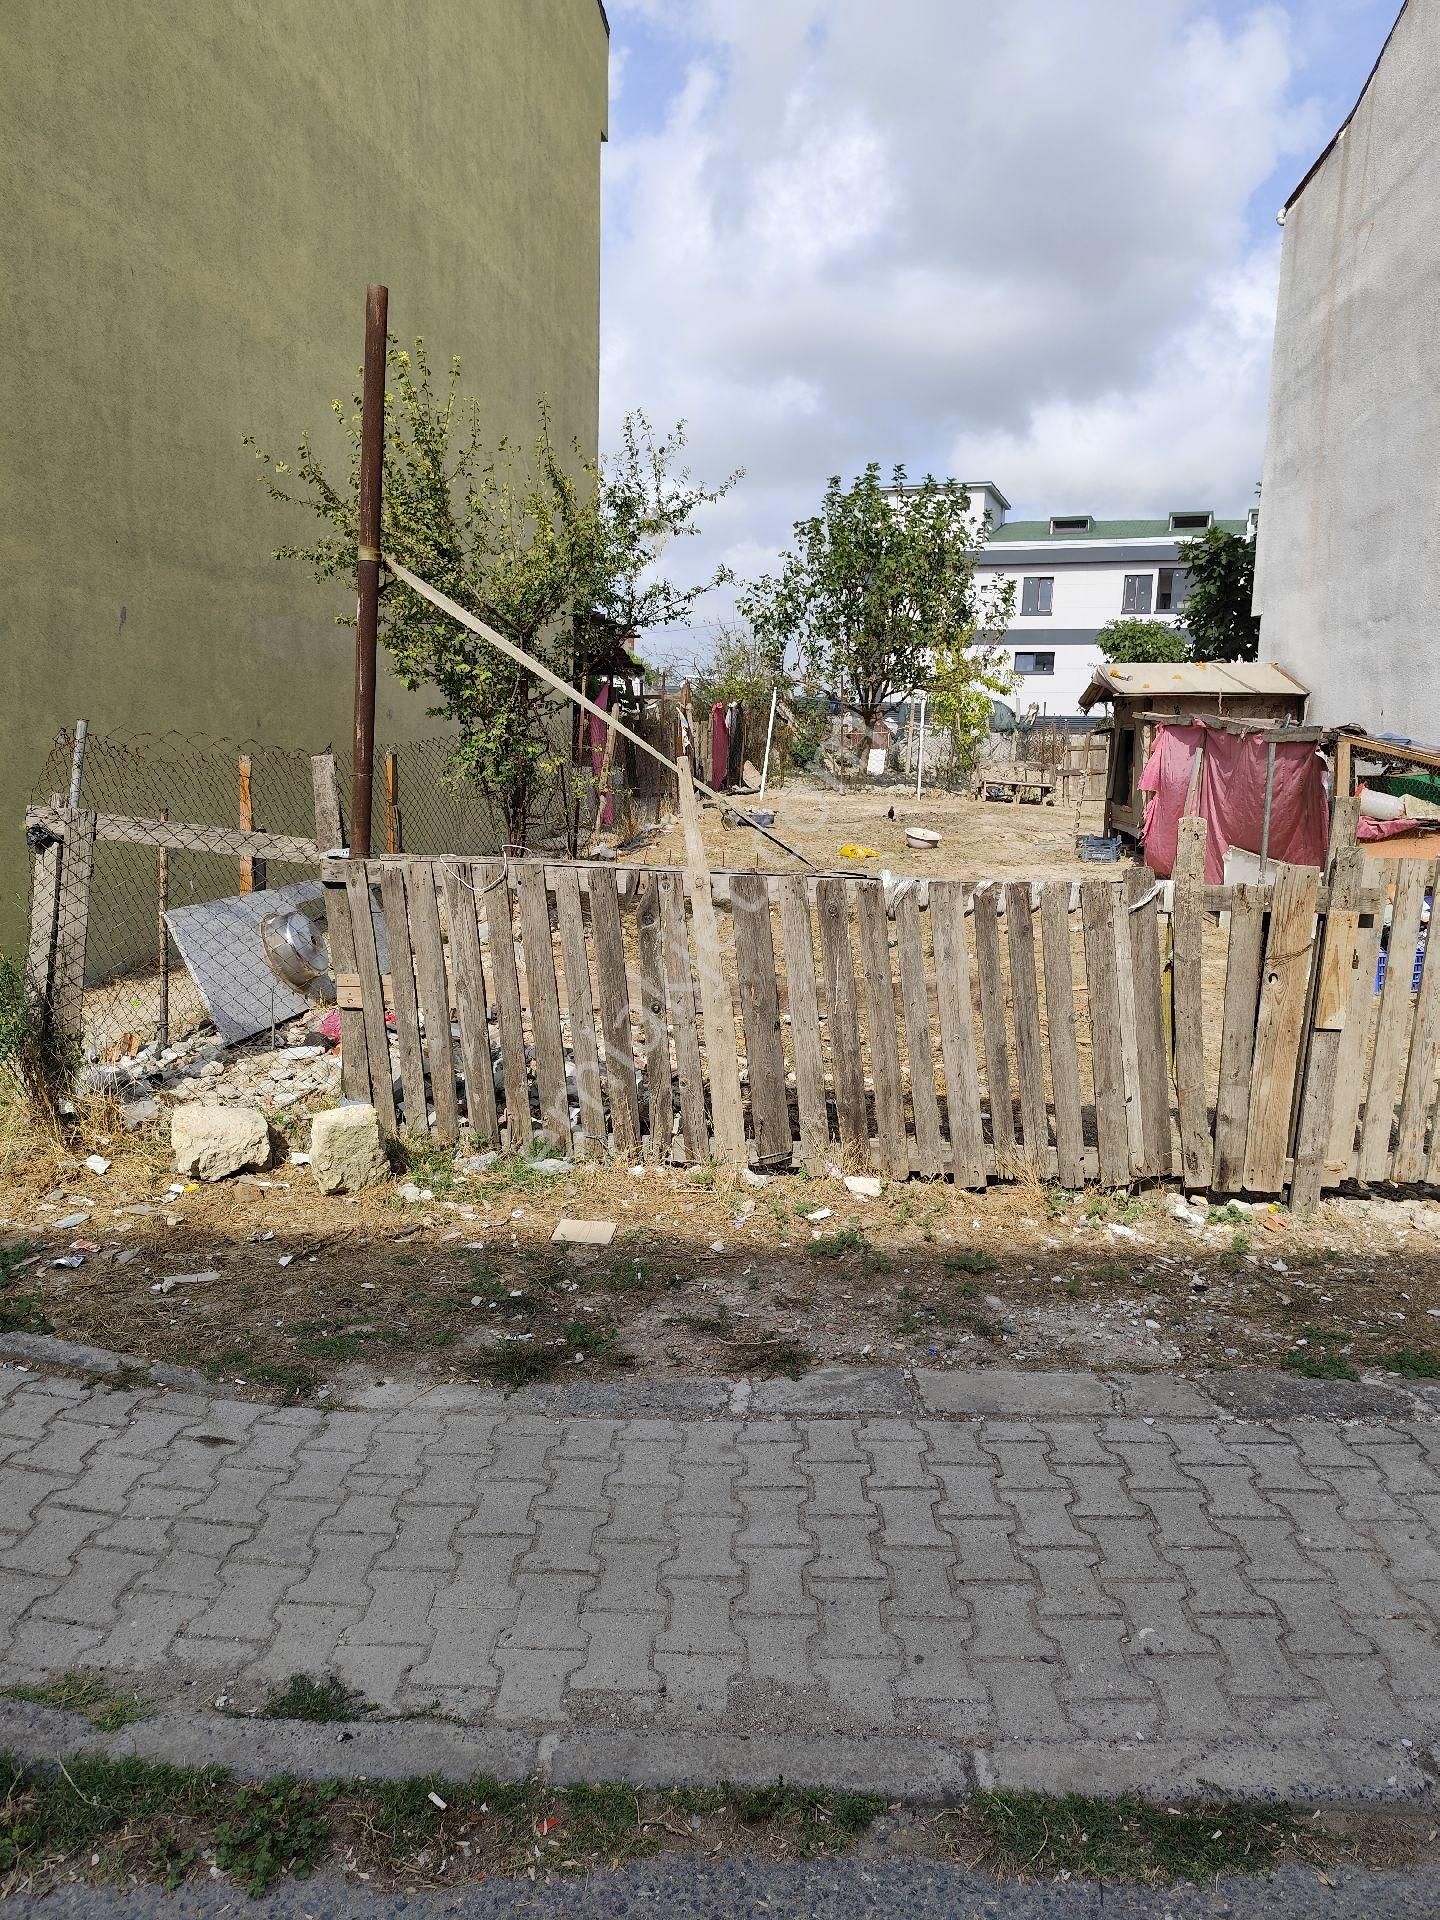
column 943, row 1027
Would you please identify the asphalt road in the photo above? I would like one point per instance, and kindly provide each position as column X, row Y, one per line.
column 844, row 1889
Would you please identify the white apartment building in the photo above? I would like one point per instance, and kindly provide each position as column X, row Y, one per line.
column 1073, row 574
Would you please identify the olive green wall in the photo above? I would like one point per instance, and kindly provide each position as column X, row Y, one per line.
column 196, row 194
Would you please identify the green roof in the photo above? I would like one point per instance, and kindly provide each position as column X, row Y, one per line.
column 1037, row 531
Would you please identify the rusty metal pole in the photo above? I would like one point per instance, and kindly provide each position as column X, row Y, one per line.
column 367, row 566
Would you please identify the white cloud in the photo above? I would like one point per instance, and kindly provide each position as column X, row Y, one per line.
column 1004, row 242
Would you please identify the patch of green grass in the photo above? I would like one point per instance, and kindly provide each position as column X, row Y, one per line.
column 318, row 1701
column 292, row 1382
column 1320, row 1358
column 592, row 1337
column 825, row 1819
column 1044, row 1835
column 518, row 1363
column 876, row 1262
column 1058, row 1202
column 21, row 1310
column 427, row 1166
column 1227, row 1216
column 834, row 1246
column 276, row 1827
column 83, row 1691
column 1110, row 1273
column 970, row 1260
column 49, row 1813
column 718, row 1323
column 1414, row 1363
column 605, row 1820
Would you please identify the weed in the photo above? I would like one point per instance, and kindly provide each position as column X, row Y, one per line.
column 1058, row 1202
column 606, row 1819
column 834, row 1246
column 276, row 1827
column 628, row 1276
column 718, row 1323
column 518, row 1363
column 1319, row 1358
column 876, row 1262
column 1414, row 1363
column 597, row 1337
column 40, row 1058
column 1110, row 1273
column 1045, row 1835
column 1240, row 1241
column 771, row 1356
column 302, row 1698
column 969, row 1260
column 20, row 1311
column 823, row 1818
column 1227, row 1216
column 81, row 1691
column 292, row 1383
column 426, row 1166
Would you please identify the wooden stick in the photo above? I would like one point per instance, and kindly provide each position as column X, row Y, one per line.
column 717, row 1007
column 247, row 824
column 394, row 841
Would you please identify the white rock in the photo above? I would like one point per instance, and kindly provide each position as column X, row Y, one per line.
column 135, row 1114
column 97, row 1163
column 212, row 1141
column 345, row 1150
column 864, row 1186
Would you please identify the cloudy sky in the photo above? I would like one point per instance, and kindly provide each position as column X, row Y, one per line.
column 1030, row 241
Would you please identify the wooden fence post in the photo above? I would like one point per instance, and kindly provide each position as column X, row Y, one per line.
column 252, row 871
column 1187, row 922
column 1332, row 999
column 394, row 830
column 73, row 922
column 45, row 912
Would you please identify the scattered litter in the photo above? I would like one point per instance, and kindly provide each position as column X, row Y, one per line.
column 285, row 1259
column 584, row 1233
column 71, row 1220
column 852, row 851
column 299, row 1159
column 753, row 1179
column 415, row 1194
column 1122, row 1232
column 173, row 1280
column 717, row 1246
column 97, row 1163
column 551, row 1166
column 864, row 1186
column 436, row 1801
column 69, row 1260
column 820, row 1213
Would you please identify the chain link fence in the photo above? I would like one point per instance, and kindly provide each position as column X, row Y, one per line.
column 100, row 931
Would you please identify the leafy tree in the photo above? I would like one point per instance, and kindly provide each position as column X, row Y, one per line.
column 1222, row 584
column 743, row 667
column 536, row 545
column 964, row 680
column 1128, row 641
column 875, row 583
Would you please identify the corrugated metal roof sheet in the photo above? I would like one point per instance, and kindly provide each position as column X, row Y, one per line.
column 1187, row 679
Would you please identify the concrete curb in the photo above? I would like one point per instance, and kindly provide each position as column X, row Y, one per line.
column 905, row 1768
column 827, row 1392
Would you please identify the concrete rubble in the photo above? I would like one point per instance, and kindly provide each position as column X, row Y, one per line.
column 212, row 1142
column 345, row 1149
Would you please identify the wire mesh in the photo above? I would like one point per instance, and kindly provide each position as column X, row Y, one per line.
column 100, row 935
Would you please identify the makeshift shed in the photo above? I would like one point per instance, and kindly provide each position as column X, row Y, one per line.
column 1146, row 696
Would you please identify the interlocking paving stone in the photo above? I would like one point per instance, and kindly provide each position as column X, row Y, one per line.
column 1033, row 1571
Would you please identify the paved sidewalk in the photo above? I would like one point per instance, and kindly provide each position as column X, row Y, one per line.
column 1050, row 1593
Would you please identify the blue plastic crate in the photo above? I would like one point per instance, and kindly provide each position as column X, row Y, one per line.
column 1099, row 846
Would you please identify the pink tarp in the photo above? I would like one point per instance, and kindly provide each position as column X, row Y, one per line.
column 1231, row 798
column 597, row 732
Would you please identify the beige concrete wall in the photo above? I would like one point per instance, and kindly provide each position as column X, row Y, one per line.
column 1348, row 559
column 196, row 197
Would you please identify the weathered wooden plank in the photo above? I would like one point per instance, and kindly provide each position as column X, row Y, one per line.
column 184, row 836
column 468, row 973
column 992, row 1022
column 44, row 918
column 874, row 935
column 367, row 965
column 354, row 1055
column 543, row 997
column 1060, row 1024
column 846, row 1060
column 1129, row 1025
column 404, row 1000
column 1284, row 996
column 721, row 1054
column 919, row 1043
column 1409, row 1162
column 615, row 1024
column 494, row 900
column 799, row 941
column 1237, row 1039
column 325, row 789
column 580, row 1004
column 1025, row 1003
column 760, row 1011
column 1353, row 1055
column 1097, row 913
column 680, row 991
column 1332, row 1000
column 1142, row 893
column 655, row 1028
column 434, row 989
column 957, row 1033
column 1392, row 1031
column 1187, row 922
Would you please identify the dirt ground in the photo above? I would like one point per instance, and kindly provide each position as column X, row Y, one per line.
column 978, row 838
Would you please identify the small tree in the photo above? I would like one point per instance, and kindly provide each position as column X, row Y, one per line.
column 530, row 544
column 964, row 682
column 876, row 582
column 1130, row 641
column 743, row 667
column 1222, row 584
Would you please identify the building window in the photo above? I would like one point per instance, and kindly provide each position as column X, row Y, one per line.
column 1137, row 592
column 1191, row 522
column 1035, row 663
column 1172, row 590
column 1037, row 593
column 1071, row 523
